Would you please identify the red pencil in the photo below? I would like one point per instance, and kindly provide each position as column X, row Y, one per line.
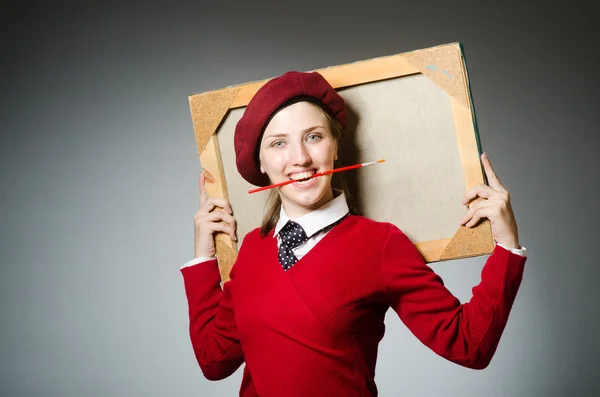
column 350, row 167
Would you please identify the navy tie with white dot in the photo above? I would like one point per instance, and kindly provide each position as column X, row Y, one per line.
column 292, row 235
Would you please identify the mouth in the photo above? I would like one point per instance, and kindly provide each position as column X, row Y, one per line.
column 302, row 176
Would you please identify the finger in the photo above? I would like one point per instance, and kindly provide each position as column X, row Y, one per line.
column 220, row 227
column 478, row 215
column 212, row 202
column 476, row 207
column 220, row 215
column 491, row 174
column 491, row 210
column 483, row 191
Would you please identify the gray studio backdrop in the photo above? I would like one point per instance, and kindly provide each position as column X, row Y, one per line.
column 98, row 173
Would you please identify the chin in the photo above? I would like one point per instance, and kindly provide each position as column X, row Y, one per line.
column 308, row 195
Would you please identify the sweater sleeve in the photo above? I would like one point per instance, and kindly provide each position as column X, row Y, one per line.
column 466, row 334
column 212, row 327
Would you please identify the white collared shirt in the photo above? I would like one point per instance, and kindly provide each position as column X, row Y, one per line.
column 314, row 223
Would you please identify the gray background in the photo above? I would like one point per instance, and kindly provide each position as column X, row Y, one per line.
column 98, row 172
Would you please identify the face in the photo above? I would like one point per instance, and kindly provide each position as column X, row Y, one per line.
column 296, row 143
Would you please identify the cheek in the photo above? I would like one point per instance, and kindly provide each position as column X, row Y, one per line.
column 273, row 162
column 326, row 153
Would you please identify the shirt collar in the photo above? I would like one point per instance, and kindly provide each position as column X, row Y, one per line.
column 318, row 219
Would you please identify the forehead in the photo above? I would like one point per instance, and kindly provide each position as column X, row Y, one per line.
column 296, row 118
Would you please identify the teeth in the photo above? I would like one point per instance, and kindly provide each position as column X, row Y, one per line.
column 302, row 175
column 301, row 183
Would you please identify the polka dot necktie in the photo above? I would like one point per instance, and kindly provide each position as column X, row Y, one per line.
column 292, row 235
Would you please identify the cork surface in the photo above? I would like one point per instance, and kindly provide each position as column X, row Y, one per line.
column 207, row 112
column 444, row 66
column 469, row 242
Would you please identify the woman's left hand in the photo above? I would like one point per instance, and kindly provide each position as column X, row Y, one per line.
column 495, row 206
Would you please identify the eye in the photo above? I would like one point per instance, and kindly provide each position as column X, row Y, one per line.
column 277, row 144
column 313, row 137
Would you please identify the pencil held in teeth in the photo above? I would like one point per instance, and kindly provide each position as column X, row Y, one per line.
column 309, row 176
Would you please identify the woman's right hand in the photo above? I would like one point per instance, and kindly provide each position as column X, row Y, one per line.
column 207, row 222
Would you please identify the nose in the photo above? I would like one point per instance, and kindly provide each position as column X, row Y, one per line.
column 301, row 156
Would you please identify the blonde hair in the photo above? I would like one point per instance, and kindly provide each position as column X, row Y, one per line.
column 338, row 181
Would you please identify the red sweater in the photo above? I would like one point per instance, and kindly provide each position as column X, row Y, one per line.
column 315, row 329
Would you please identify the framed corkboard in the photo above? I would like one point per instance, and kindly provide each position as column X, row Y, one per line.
column 413, row 109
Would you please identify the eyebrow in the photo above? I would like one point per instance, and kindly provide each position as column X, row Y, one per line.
column 283, row 134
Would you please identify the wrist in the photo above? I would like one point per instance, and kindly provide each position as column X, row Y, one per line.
column 511, row 244
column 204, row 255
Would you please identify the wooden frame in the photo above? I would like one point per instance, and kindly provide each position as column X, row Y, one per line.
column 444, row 65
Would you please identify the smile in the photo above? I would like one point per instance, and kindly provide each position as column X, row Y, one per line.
column 302, row 176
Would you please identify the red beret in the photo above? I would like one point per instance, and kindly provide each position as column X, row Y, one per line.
column 273, row 96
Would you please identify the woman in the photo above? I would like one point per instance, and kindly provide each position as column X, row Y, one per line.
column 306, row 302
